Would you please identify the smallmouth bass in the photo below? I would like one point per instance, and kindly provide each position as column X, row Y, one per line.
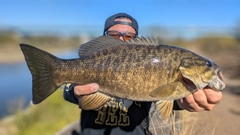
column 137, row 70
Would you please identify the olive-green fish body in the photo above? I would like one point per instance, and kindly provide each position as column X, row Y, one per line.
column 129, row 71
column 134, row 70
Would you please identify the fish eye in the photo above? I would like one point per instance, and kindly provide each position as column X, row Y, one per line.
column 209, row 63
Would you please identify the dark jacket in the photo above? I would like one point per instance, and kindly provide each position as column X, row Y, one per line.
column 122, row 117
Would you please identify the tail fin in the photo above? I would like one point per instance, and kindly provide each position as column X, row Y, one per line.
column 39, row 63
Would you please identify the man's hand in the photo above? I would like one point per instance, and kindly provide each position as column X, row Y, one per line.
column 200, row 100
column 80, row 90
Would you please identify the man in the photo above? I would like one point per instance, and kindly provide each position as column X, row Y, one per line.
column 129, row 117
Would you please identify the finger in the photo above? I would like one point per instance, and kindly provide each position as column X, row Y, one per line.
column 213, row 97
column 201, row 99
column 207, row 98
column 85, row 89
column 188, row 103
column 192, row 104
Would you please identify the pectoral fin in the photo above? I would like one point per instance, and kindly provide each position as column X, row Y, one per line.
column 170, row 91
column 165, row 108
column 93, row 101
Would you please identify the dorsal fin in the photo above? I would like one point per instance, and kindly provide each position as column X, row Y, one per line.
column 104, row 42
column 97, row 44
column 142, row 41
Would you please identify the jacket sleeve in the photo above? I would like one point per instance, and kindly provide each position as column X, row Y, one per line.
column 175, row 106
column 68, row 93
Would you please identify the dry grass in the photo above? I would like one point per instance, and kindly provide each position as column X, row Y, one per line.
column 191, row 125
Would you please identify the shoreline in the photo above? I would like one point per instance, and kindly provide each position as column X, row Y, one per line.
column 10, row 56
column 11, row 61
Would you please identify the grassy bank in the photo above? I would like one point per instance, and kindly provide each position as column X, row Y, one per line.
column 45, row 118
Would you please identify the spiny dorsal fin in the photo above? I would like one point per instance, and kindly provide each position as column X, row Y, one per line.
column 104, row 42
column 142, row 41
column 98, row 44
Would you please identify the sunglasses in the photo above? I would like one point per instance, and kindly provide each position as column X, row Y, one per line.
column 126, row 35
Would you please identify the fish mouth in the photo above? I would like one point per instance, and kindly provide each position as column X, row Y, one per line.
column 218, row 82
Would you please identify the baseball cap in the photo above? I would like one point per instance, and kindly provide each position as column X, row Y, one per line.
column 111, row 21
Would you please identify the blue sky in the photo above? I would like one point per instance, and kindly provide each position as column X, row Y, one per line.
column 210, row 13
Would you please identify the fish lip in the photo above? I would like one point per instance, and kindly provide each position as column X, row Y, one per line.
column 220, row 85
column 217, row 83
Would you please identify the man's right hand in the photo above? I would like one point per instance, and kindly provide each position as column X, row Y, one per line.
column 80, row 90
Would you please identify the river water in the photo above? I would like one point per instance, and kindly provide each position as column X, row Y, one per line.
column 16, row 84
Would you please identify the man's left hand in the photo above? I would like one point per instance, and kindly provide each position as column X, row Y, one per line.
column 200, row 100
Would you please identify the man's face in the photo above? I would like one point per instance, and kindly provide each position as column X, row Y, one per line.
column 123, row 28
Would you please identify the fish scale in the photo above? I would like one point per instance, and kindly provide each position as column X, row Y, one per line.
column 113, row 71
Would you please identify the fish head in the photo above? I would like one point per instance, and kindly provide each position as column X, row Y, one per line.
column 201, row 73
